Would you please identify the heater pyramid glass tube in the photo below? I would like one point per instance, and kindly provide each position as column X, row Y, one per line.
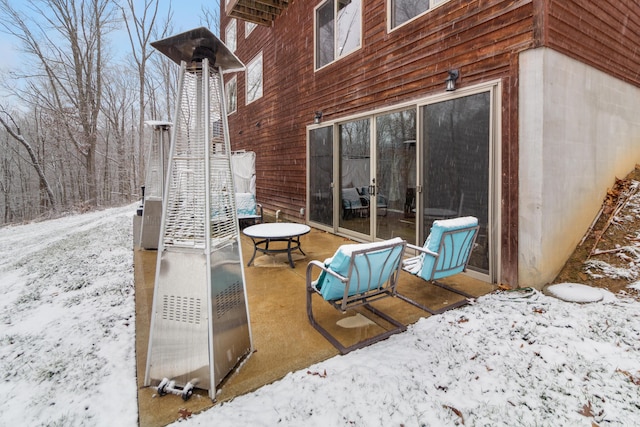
column 154, row 184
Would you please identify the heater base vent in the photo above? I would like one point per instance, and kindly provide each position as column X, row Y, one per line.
column 181, row 309
column 230, row 299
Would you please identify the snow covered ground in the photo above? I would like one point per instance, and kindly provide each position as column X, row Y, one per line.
column 509, row 359
column 67, row 322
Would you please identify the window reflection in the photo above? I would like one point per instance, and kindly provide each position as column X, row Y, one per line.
column 338, row 29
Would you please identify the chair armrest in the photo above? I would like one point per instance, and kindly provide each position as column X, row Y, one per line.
column 422, row 250
column 323, row 268
column 316, row 264
column 311, row 285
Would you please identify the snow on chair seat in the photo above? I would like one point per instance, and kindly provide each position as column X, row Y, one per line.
column 446, row 252
column 247, row 207
column 355, row 276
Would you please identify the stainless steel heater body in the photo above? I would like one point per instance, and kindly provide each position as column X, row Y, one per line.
column 154, row 183
column 200, row 328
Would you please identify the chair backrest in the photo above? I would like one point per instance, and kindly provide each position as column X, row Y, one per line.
column 367, row 267
column 453, row 240
column 351, row 198
column 245, row 204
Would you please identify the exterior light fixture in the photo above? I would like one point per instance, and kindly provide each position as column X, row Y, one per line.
column 318, row 117
column 451, row 80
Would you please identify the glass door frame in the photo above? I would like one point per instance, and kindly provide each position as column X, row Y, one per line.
column 337, row 173
column 373, row 217
column 395, row 143
column 495, row 171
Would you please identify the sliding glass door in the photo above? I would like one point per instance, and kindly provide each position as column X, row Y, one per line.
column 392, row 173
column 320, row 167
column 455, row 169
column 395, row 175
column 378, row 176
column 355, row 177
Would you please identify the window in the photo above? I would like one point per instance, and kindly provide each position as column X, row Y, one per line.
column 254, row 79
column 248, row 27
column 231, row 90
column 405, row 10
column 230, row 35
column 338, row 30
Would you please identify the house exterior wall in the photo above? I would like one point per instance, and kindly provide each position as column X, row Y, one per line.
column 480, row 38
column 579, row 128
column 484, row 40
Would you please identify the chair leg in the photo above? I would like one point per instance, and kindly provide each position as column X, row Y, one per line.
column 399, row 327
column 342, row 349
column 445, row 308
column 450, row 289
column 416, row 304
column 430, row 311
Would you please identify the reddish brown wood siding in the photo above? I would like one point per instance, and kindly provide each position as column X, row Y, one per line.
column 479, row 38
column 274, row 126
column 603, row 34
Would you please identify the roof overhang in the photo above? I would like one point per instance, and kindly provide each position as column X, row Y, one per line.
column 262, row 12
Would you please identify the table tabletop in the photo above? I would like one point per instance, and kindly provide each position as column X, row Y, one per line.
column 276, row 230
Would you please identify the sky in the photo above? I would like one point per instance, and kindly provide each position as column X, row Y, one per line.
column 186, row 15
column 511, row 358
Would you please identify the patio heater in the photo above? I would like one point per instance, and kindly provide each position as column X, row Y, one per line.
column 154, row 183
column 200, row 321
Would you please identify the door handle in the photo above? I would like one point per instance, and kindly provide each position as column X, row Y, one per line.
column 372, row 187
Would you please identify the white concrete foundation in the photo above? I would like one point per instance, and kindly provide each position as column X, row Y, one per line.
column 579, row 129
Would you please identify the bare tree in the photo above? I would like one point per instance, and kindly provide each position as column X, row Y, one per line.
column 141, row 27
column 80, row 117
column 211, row 18
column 162, row 87
column 119, row 100
column 67, row 43
column 13, row 129
column 6, row 178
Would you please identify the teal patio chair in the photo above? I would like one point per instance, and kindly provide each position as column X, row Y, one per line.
column 355, row 276
column 249, row 212
column 446, row 252
column 353, row 205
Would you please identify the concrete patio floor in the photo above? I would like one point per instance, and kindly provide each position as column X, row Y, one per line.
column 283, row 340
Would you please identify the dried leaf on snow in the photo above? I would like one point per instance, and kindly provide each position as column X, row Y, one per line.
column 455, row 411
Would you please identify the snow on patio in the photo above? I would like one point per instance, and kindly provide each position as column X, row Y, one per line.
column 510, row 358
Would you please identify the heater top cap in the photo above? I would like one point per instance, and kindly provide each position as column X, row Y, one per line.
column 158, row 123
column 197, row 44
